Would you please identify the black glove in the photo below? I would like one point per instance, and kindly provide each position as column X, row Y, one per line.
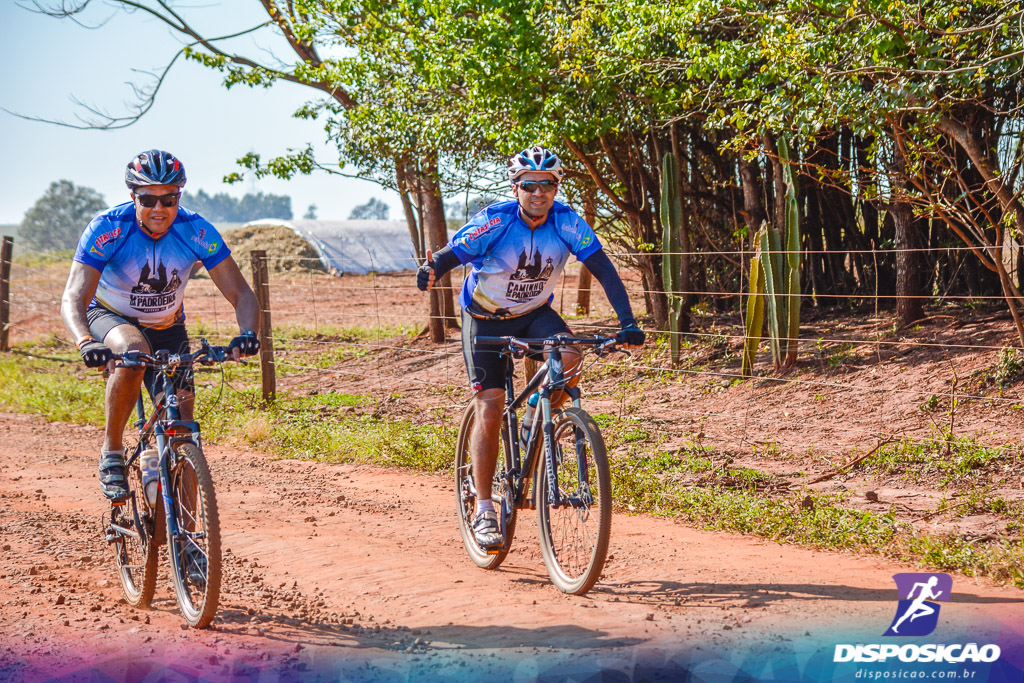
column 423, row 276
column 247, row 343
column 630, row 334
column 95, row 354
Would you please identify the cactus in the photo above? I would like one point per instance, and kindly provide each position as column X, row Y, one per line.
column 755, row 310
column 775, row 282
column 671, row 210
column 792, row 255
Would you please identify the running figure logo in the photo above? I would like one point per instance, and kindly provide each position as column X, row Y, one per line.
column 917, row 615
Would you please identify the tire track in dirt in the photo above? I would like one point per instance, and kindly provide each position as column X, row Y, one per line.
column 351, row 565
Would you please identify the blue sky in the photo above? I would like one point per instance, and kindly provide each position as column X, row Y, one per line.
column 48, row 61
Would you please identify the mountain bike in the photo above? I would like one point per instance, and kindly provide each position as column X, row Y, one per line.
column 184, row 507
column 564, row 458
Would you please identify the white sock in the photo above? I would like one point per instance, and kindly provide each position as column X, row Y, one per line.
column 484, row 505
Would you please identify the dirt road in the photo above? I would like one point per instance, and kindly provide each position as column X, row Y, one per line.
column 358, row 572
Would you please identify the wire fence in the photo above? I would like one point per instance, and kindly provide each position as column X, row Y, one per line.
column 859, row 378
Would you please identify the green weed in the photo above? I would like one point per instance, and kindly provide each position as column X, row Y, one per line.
column 945, row 456
column 1010, row 367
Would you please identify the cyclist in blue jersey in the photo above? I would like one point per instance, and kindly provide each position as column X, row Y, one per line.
column 517, row 250
column 126, row 289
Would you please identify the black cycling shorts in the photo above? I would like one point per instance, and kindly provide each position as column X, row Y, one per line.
column 174, row 339
column 486, row 367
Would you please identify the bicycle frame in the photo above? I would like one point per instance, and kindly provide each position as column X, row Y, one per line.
column 167, row 429
column 548, row 379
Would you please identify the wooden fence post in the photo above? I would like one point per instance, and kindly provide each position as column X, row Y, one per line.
column 586, row 279
column 261, row 286
column 5, row 291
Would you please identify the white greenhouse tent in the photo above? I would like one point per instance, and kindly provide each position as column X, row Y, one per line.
column 354, row 246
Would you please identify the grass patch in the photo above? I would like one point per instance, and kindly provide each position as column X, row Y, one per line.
column 312, row 428
column 336, row 333
column 50, row 382
column 36, row 259
column 654, row 486
column 945, row 458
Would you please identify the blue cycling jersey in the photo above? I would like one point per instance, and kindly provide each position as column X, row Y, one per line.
column 516, row 268
column 142, row 277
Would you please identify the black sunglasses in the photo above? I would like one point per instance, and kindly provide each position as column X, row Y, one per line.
column 150, row 200
column 530, row 186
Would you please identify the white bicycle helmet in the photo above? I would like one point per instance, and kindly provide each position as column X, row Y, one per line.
column 536, row 159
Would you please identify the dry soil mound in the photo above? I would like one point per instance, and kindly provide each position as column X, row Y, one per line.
column 286, row 251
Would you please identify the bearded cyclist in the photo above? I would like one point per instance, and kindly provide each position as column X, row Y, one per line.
column 126, row 289
column 517, row 250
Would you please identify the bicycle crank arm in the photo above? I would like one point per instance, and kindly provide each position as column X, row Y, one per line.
column 121, row 530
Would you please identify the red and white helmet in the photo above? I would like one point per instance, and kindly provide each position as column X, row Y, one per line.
column 535, row 160
column 154, row 167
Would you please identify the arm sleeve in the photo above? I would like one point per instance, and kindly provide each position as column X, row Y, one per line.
column 601, row 266
column 444, row 260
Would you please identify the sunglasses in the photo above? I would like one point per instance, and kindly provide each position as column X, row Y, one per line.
column 546, row 186
column 150, row 200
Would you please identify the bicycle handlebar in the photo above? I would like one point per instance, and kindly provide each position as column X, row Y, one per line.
column 207, row 354
column 523, row 344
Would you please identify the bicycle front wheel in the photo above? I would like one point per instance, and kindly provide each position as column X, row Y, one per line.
column 465, row 497
column 195, row 551
column 575, row 530
column 135, row 550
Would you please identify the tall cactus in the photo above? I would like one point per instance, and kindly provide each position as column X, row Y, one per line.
column 755, row 309
column 775, row 281
column 792, row 254
column 671, row 210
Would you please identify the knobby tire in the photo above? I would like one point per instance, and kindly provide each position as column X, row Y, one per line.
column 574, row 539
column 195, row 506
column 136, row 560
column 465, row 497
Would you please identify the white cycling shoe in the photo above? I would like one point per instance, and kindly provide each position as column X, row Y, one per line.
column 486, row 530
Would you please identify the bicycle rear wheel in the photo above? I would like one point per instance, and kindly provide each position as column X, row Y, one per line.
column 465, row 496
column 135, row 548
column 574, row 535
column 195, row 552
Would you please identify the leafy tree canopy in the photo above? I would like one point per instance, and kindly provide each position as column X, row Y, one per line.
column 224, row 207
column 57, row 219
column 374, row 209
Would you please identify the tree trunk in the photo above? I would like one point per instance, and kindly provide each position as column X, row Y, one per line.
column 686, row 258
column 753, row 210
column 435, row 321
column 437, row 227
column 908, row 263
column 415, row 234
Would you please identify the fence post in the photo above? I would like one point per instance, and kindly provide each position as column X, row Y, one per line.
column 261, row 286
column 5, row 291
column 586, row 280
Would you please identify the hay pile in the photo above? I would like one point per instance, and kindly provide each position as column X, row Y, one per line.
column 286, row 251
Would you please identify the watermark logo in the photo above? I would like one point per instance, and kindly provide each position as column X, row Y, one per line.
column 917, row 613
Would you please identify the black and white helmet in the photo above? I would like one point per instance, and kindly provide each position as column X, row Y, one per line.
column 154, row 167
column 533, row 160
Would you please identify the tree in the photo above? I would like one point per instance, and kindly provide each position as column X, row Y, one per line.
column 224, row 207
column 57, row 219
column 310, row 214
column 374, row 117
column 374, row 209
